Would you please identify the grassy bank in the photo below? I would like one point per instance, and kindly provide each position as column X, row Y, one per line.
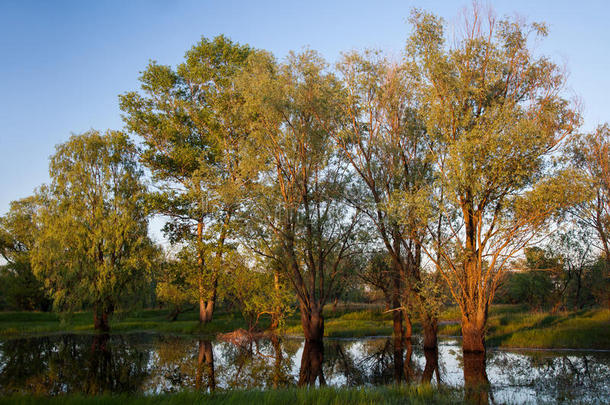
column 327, row 395
column 509, row 326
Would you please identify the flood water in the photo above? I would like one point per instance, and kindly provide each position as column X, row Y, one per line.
column 155, row 363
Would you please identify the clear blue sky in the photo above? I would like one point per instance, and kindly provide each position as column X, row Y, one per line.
column 63, row 63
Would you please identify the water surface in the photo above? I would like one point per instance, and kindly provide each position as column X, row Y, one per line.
column 155, row 363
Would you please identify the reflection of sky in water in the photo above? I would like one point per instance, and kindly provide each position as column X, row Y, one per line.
column 153, row 363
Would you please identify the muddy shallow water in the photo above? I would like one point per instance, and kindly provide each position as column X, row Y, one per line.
column 154, row 363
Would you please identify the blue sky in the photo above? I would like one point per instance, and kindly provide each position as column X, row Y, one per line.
column 63, row 63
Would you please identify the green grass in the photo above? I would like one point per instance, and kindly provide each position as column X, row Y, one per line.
column 12, row 323
column 514, row 326
column 423, row 394
column 508, row 325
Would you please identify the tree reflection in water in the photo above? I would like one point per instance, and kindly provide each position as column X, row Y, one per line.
column 89, row 364
column 205, row 365
column 152, row 363
column 476, row 383
column 311, row 364
column 401, row 367
column 431, row 367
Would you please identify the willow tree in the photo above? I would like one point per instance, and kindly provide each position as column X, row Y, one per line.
column 591, row 154
column 18, row 229
column 386, row 144
column 298, row 218
column 496, row 114
column 92, row 247
column 190, row 122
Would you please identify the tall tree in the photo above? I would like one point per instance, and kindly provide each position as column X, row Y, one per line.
column 496, row 114
column 591, row 154
column 191, row 125
column 298, row 216
column 92, row 248
column 386, row 144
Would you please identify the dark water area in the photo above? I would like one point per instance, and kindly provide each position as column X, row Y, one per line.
column 154, row 363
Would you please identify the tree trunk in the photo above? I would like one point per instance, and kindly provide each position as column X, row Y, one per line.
column 202, row 312
column 397, row 322
column 430, row 326
column 473, row 334
column 206, row 308
column 101, row 318
column 397, row 312
column 275, row 316
column 312, row 321
column 408, row 330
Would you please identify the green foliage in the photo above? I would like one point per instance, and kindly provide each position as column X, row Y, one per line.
column 496, row 114
column 191, row 122
column 258, row 293
column 92, row 247
column 177, row 280
column 19, row 288
column 296, row 213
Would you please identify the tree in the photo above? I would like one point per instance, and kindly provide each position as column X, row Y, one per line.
column 296, row 210
column 386, row 143
column 18, row 230
column 535, row 282
column 258, row 292
column 191, row 125
column 591, row 155
column 496, row 115
column 92, row 248
column 177, row 280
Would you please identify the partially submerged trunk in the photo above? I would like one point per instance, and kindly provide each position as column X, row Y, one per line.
column 430, row 329
column 397, row 312
column 475, row 293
